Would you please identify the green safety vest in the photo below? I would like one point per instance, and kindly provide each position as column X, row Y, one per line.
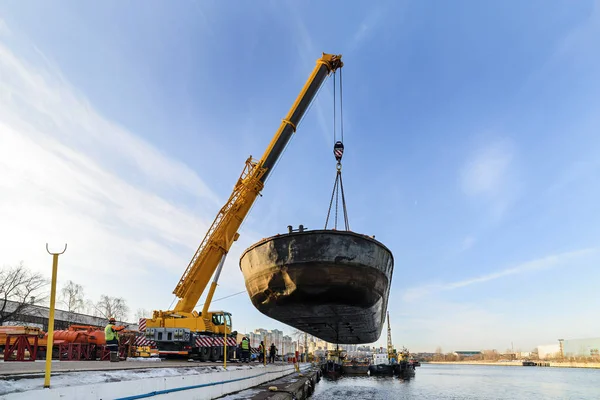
column 109, row 334
column 245, row 345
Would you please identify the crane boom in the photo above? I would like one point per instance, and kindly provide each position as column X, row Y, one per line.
column 390, row 346
column 224, row 230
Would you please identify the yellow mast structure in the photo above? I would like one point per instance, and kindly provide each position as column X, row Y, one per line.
column 390, row 346
column 210, row 256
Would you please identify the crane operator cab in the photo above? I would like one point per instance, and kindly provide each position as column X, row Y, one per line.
column 221, row 320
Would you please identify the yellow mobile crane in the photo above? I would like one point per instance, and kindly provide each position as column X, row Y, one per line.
column 183, row 330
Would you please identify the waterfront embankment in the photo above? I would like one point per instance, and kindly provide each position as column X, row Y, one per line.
column 191, row 381
column 557, row 364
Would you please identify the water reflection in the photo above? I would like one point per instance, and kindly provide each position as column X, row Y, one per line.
column 468, row 382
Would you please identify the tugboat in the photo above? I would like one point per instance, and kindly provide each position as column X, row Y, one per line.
column 356, row 367
column 382, row 365
column 392, row 363
column 332, row 367
column 414, row 362
column 404, row 369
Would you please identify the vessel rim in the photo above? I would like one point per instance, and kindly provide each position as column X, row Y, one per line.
column 328, row 231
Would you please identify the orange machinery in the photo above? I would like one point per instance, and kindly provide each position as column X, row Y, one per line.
column 22, row 330
column 78, row 342
column 83, row 334
column 75, row 334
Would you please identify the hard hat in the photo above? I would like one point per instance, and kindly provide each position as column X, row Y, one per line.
column 111, row 319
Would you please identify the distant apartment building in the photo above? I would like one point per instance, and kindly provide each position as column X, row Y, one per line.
column 255, row 338
column 287, row 345
column 274, row 336
column 349, row 348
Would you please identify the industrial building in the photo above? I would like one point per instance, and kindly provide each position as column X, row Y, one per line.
column 581, row 347
column 548, row 351
column 467, row 353
column 37, row 316
column 569, row 348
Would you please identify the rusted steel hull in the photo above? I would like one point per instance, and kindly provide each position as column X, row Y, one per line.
column 331, row 284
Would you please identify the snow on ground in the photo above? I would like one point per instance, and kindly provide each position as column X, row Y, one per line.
column 244, row 394
column 92, row 377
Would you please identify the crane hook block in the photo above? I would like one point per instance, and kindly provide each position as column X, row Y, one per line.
column 338, row 150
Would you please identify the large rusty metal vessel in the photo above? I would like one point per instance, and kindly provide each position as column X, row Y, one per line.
column 331, row 284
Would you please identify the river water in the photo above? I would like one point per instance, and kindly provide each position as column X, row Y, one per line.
column 458, row 382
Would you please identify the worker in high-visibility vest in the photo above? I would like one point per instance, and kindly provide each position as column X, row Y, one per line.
column 245, row 345
column 112, row 340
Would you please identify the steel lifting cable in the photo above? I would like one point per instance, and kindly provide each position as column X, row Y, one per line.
column 341, row 108
column 334, row 110
column 338, row 152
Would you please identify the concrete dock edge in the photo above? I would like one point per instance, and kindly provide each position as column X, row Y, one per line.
column 199, row 386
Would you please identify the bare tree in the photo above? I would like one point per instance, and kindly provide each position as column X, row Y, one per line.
column 112, row 307
column 72, row 297
column 90, row 308
column 23, row 288
column 142, row 313
column 490, row 355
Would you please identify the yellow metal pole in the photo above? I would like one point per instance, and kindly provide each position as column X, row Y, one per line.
column 225, row 345
column 51, row 316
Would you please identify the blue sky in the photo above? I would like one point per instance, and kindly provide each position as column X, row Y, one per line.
column 471, row 134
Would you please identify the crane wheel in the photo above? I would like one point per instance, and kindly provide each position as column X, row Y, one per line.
column 204, row 353
column 215, row 353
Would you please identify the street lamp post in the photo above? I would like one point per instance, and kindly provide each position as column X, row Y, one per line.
column 51, row 316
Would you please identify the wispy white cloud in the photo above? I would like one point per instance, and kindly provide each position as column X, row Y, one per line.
column 206, row 23
column 467, row 243
column 308, row 53
column 451, row 326
column 4, row 31
column 415, row 293
column 489, row 174
column 368, row 26
column 68, row 174
column 485, row 172
column 574, row 47
column 491, row 323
